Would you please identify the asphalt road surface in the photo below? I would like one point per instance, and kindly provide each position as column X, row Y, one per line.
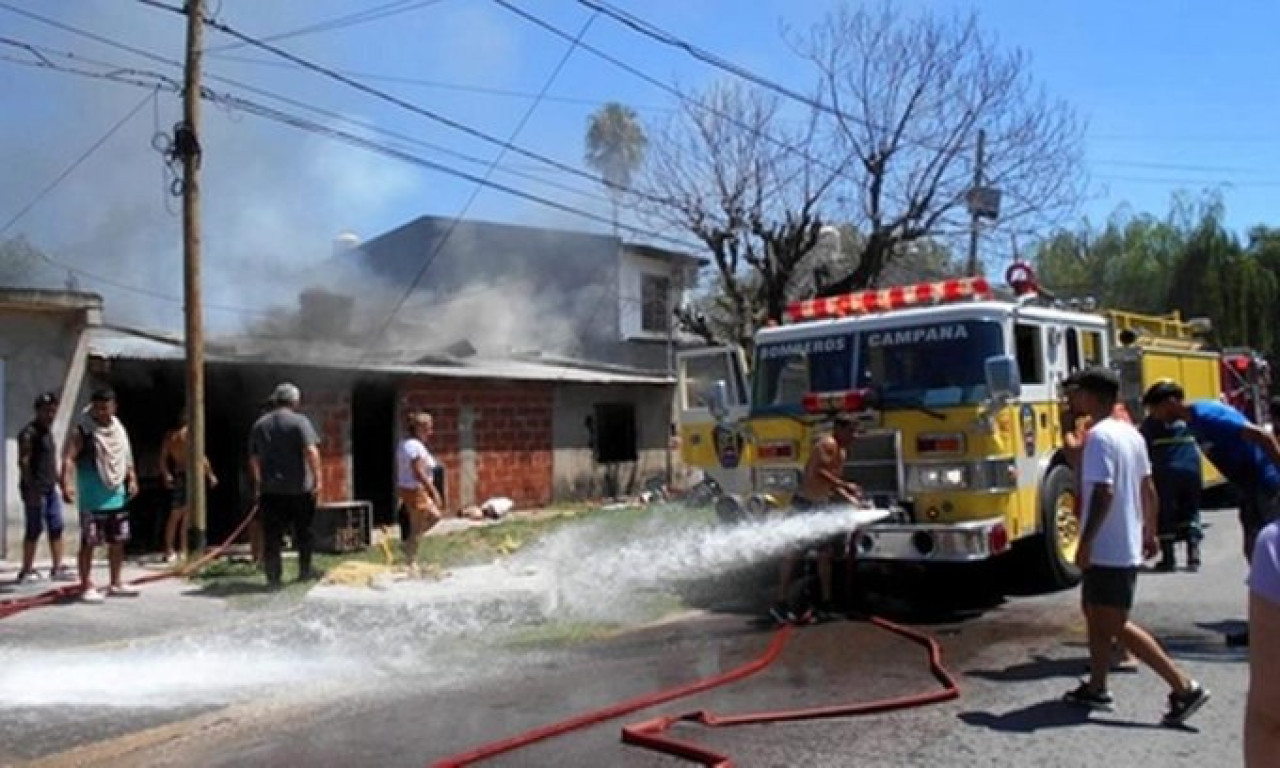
column 410, row 705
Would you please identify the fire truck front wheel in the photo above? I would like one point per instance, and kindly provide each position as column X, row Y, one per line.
column 1050, row 556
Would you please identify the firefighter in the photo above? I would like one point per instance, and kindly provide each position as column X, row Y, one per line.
column 1175, row 465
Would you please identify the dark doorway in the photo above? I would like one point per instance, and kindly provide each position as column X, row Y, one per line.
column 151, row 394
column 373, row 443
column 615, row 446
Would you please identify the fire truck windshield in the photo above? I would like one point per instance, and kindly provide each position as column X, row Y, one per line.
column 934, row 365
column 786, row 370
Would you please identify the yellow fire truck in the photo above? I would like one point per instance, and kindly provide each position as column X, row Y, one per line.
column 958, row 393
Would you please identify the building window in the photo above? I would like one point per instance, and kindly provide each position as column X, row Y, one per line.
column 614, row 432
column 655, row 295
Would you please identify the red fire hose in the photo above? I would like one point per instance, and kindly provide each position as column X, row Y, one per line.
column 650, row 734
column 17, row 605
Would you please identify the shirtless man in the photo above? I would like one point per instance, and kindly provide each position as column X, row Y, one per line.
column 821, row 486
column 173, row 473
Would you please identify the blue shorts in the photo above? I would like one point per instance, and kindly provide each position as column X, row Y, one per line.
column 45, row 514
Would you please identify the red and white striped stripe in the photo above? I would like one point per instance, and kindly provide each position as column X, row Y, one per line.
column 889, row 299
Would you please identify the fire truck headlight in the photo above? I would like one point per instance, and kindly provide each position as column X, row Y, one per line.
column 942, row 476
column 993, row 475
column 777, row 480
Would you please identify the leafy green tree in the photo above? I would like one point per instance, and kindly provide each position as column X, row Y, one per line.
column 1188, row 261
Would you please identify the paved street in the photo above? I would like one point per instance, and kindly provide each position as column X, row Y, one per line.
column 286, row 685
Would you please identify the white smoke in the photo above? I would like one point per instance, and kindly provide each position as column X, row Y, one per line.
column 273, row 197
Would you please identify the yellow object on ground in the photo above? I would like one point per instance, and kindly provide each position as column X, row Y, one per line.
column 354, row 573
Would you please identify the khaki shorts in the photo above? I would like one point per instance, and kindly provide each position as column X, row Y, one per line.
column 418, row 508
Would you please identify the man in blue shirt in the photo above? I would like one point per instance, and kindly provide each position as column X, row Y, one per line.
column 1246, row 454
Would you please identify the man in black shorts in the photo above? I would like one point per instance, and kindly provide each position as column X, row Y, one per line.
column 1118, row 533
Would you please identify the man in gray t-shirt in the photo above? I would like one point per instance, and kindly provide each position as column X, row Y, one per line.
column 284, row 469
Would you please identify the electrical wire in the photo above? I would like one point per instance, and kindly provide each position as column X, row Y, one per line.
column 341, row 22
column 407, row 105
column 44, row 58
column 296, row 122
column 80, row 160
column 581, row 101
column 653, row 32
column 684, row 98
column 234, row 102
column 475, row 193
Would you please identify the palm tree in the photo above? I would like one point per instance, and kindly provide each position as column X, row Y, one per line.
column 615, row 148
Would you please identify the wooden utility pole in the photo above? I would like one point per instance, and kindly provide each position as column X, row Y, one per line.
column 187, row 145
column 974, row 215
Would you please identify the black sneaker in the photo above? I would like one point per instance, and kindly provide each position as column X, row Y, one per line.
column 1238, row 639
column 1185, row 704
column 1085, row 696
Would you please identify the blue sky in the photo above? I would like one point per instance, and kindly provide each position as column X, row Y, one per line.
column 1177, row 95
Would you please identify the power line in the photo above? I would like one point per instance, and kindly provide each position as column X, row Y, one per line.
column 70, row 169
column 1158, row 166
column 459, row 87
column 316, row 128
column 270, row 113
column 407, row 105
column 1188, row 182
column 42, row 60
column 151, row 56
column 88, row 35
column 340, row 22
column 666, row 38
column 475, row 193
column 684, row 98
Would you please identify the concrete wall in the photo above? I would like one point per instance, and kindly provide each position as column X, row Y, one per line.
column 493, row 437
column 577, row 476
column 38, row 348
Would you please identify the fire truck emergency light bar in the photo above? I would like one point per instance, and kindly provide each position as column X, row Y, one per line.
column 884, row 300
column 850, row 400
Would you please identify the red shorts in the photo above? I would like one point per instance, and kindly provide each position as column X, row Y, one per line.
column 111, row 527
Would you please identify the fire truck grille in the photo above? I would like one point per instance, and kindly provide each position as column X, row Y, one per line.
column 874, row 461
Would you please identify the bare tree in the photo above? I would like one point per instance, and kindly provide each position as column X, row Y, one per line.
column 907, row 97
column 748, row 186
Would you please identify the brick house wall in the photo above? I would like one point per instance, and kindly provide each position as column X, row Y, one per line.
column 330, row 413
column 507, row 448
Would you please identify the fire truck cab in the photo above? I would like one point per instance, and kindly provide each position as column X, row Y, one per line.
column 958, row 392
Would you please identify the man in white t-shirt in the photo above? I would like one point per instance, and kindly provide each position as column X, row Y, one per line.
column 419, row 499
column 1118, row 533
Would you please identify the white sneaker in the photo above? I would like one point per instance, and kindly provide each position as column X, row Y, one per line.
column 27, row 577
column 91, row 595
column 122, row 590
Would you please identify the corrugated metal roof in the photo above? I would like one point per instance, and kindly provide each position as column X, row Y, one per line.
column 121, row 344
column 116, row 343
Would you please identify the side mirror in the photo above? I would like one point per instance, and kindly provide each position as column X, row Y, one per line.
column 1003, row 380
column 718, row 400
